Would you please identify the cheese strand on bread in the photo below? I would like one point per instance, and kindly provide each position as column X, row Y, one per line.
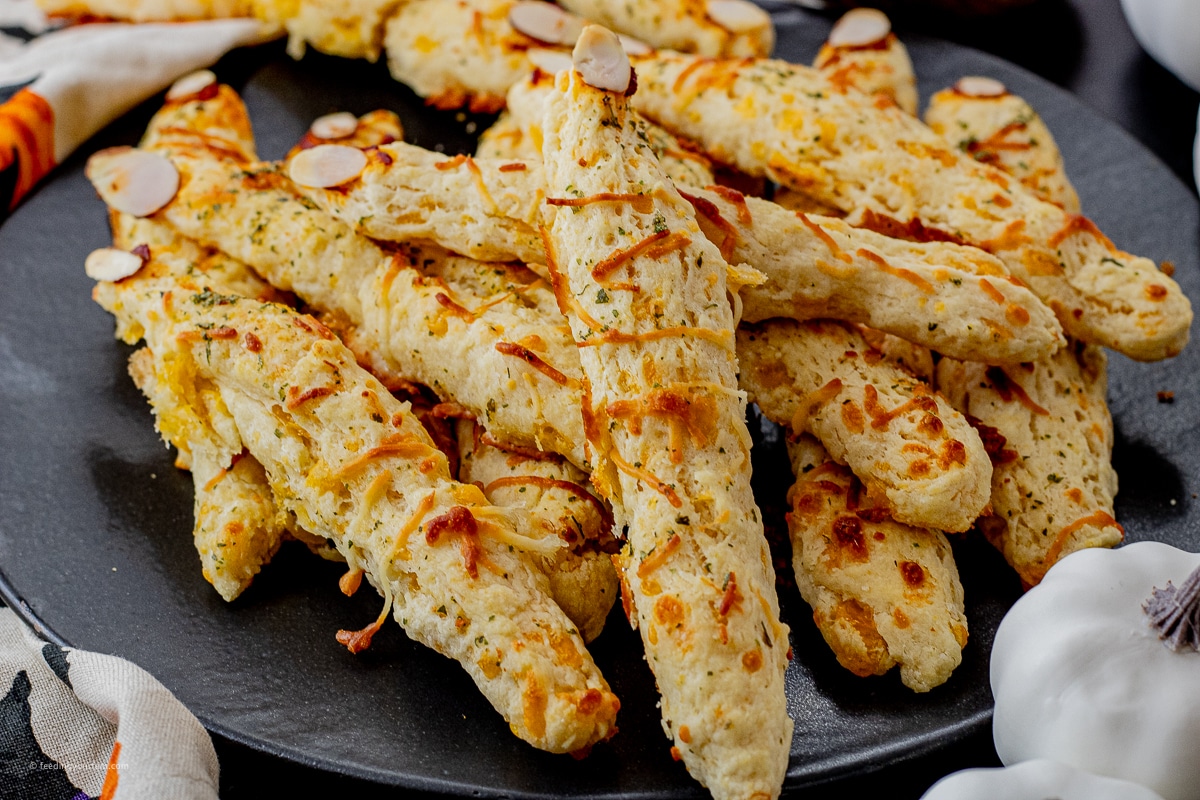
column 891, row 173
column 645, row 294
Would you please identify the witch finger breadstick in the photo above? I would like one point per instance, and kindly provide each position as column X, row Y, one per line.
column 645, row 295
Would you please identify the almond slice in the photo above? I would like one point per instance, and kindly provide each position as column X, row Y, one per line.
column 327, row 165
column 979, row 86
column 551, row 62
column 860, row 27
column 545, row 22
column 738, row 16
column 191, row 84
column 634, row 47
column 111, row 264
column 136, row 182
column 334, row 126
column 601, row 60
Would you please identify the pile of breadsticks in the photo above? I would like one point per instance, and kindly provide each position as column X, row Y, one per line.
column 520, row 385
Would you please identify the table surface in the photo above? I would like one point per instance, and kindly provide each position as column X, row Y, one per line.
column 1086, row 47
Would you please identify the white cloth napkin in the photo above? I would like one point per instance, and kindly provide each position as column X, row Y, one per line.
column 77, row 725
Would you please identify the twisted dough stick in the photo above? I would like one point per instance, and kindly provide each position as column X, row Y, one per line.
column 467, row 346
column 862, row 52
column 917, row 456
column 582, row 579
column 1001, row 129
column 882, row 593
column 356, row 466
column 892, row 173
column 1050, row 436
column 645, row 295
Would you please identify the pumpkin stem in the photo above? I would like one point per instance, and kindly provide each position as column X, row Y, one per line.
column 1175, row 613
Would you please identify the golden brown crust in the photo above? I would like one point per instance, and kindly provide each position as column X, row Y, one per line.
column 560, row 502
column 1050, row 434
column 356, row 466
column 890, row 172
column 645, row 295
column 1007, row 133
column 882, row 593
column 915, row 454
column 882, row 70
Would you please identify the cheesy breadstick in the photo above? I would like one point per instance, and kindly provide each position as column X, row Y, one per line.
column 463, row 350
column 645, row 295
column 582, row 579
column 954, row 299
column 714, row 28
column 882, row 593
column 457, row 53
column 915, row 454
column 979, row 116
column 347, row 28
column 679, row 160
column 356, row 466
column 891, row 173
column 862, row 52
column 1050, row 436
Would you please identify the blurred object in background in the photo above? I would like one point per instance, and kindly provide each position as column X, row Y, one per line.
column 959, row 7
column 1169, row 30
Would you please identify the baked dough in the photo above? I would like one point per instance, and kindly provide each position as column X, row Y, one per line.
column 1050, row 435
column 1004, row 131
column 684, row 25
column 644, row 292
column 916, row 455
column 355, row 466
column 882, row 593
column 891, row 173
column 556, row 494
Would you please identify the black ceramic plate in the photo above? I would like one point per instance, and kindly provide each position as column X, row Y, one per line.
column 95, row 523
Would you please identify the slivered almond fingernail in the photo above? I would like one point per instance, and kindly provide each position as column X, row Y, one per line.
column 737, row 16
column 334, row 126
column 134, row 181
column 860, row 27
column 601, row 60
column 549, row 61
column 545, row 22
column 191, row 84
column 327, row 165
column 979, row 86
column 111, row 264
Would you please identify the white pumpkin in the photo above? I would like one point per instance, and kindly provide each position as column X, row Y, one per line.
column 1169, row 30
column 1081, row 676
column 1035, row 780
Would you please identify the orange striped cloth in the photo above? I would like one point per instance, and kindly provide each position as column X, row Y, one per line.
column 26, row 145
column 59, row 86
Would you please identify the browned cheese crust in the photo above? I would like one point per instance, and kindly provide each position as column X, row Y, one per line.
column 1050, row 436
column 1007, row 133
column 406, row 319
column 881, row 69
column 891, row 173
column 645, row 294
column 916, row 455
column 683, row 25
column 356, row 466
column 582, row 579
column 882, row 593
column 952, row 298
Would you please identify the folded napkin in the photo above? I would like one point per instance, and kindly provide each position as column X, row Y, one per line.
column 76, row 725
column 58, row 87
